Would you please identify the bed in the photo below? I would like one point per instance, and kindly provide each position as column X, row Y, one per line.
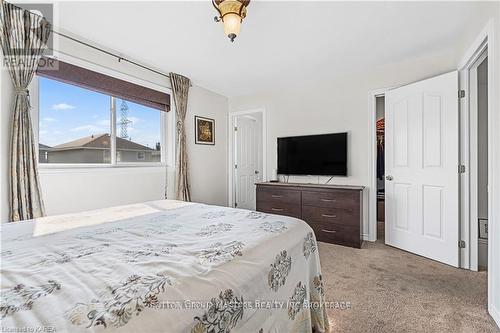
column 162, row 266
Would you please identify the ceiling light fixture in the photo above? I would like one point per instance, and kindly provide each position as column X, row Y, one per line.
column 231, row 13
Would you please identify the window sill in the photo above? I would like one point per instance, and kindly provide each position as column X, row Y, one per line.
column 61, row 168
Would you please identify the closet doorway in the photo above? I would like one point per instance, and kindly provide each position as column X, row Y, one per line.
column 478, row 161
column 377, row 194
column 380, row 118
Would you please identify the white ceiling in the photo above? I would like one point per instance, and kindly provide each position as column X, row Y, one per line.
column 280, row 42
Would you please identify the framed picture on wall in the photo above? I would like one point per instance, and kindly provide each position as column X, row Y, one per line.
column 204, row 131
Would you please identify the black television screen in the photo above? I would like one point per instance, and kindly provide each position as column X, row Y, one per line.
column 324, row 154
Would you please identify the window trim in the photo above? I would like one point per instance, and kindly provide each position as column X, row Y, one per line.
column 167, row 123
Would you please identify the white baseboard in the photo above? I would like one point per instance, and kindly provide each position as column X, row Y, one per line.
column 495, row 314
column 366, row 237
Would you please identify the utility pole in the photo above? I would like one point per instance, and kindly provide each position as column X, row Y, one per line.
column 124, row 121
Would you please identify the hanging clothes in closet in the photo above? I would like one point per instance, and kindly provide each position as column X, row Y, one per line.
column 380, row 148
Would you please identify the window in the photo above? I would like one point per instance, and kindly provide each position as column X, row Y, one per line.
column 138, row 132
column 90, row 117
column 75, row 126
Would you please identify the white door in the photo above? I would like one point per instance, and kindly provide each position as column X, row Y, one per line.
column 422, row 189
column 247, row 152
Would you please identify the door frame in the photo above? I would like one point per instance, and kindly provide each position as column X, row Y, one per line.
column 469, row 230
column 231, row 157
column 469, row 158
column 486, row 38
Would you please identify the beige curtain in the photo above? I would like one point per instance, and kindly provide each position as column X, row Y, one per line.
column 24, row 36
column 180, row 88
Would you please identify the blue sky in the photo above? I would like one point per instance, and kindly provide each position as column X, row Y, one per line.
column 68, row 112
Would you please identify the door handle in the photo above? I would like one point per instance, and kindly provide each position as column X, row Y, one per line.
column 389, row 177
column 329, row 215
column 277, row 209
column 256, row 172
column 329, row 231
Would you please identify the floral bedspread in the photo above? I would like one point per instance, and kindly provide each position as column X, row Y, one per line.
column 162, row 266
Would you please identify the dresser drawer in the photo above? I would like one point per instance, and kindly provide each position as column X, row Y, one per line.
column 279, row 208
column 332, row 199
column 331, row 215
column 336, row 233
column 279, row 195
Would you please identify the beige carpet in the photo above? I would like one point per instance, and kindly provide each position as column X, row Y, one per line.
column 394, row 291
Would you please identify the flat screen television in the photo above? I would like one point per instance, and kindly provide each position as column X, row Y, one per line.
column 322, row 155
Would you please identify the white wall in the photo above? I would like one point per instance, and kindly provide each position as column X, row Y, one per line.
column 380, row 107
column 72, row 190
column 339, row 105
column 208, row 164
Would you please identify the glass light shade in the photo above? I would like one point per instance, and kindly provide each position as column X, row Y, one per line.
column 232, row 24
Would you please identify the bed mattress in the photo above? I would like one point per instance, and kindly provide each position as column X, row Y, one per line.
column 161, row 266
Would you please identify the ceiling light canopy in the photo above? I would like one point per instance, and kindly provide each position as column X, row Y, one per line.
column 231, row 13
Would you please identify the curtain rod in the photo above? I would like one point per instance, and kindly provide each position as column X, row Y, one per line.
column 120, row 58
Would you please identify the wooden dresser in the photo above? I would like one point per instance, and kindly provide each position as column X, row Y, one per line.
column 334, row 212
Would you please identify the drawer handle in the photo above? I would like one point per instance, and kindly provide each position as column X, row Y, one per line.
column 277, row 209
column 328, row 215
column 329, row 200
column 329, row 231
column 276, row 196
